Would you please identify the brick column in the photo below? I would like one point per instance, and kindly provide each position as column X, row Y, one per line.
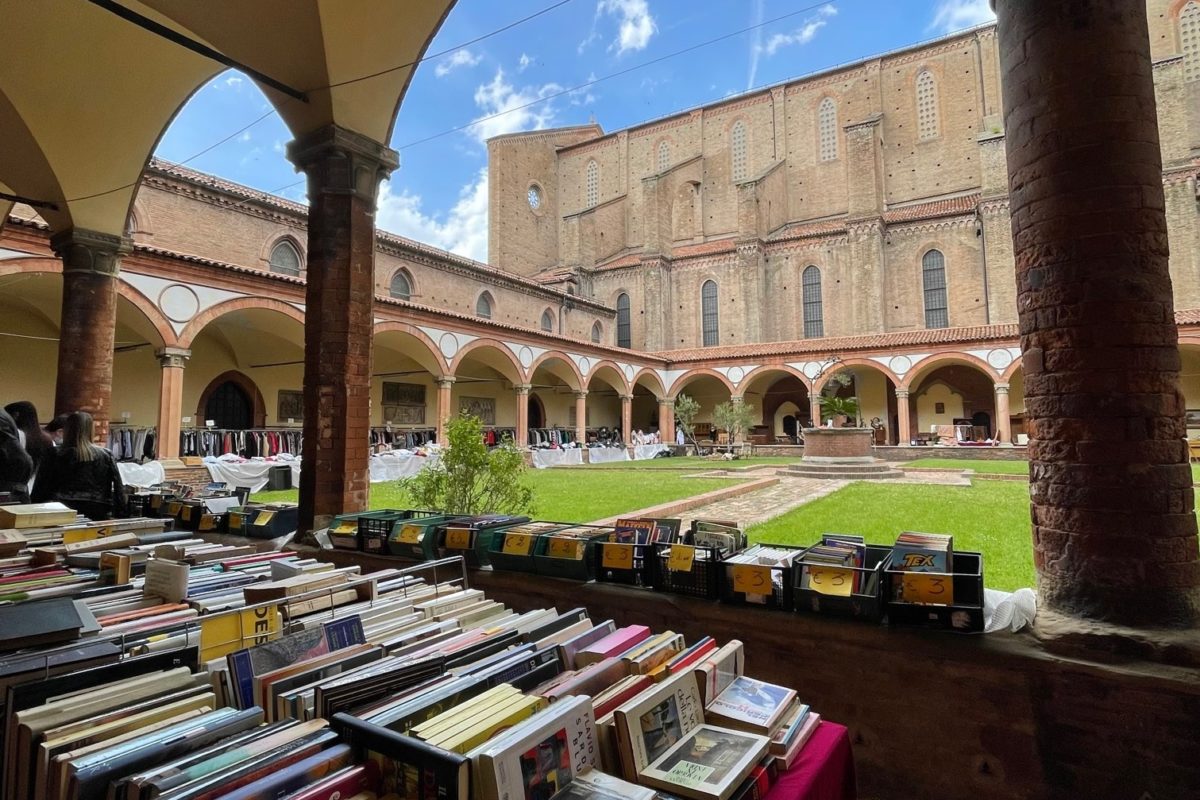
column 627, row 418
column 523, row 390
column 1113, row 523
column 170, row 400
column 1003, row 422
column 445, row 410
column 91, row 262
column 344, row 169
column 814, row 409
column 581, row 417
column 666, row 421
column 903, row 411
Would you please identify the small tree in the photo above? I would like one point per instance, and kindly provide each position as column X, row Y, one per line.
column 470, row 479
column 734, row 418
column 686, row 411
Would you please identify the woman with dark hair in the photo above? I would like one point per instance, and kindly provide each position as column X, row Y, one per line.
column 83, row 476
column 38, row 443
column 16, row 467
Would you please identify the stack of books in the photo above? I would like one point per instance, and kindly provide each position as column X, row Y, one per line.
column 724, row 535
column 923, row 552
column 823, row 562
column 769, row 710
column 767, row 582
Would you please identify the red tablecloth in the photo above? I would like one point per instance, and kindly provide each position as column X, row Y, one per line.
column 824, row 770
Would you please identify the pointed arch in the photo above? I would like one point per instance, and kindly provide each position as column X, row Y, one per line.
column 401, row 285
column 814, row 312
column 710, row 322
column 933, row 282
column 591, row 191
column 624, row 324
column 286, row 257
column 485, row 306
column 547, row 321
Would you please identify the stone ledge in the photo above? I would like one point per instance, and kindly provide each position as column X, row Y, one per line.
column 1115, row 644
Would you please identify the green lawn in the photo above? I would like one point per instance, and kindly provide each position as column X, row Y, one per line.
column 993, row 467
column 566, row 496
column 694, row 462
column 991, row 517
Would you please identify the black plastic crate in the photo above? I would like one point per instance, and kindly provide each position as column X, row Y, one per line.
column 343, row 531
column 866, row 602
column 963, row 615
column 740, row 583
column 375, row 528
column 700, row 578
column 513, row 551
column 273, row 520
column 626, row 563
column 573, row 558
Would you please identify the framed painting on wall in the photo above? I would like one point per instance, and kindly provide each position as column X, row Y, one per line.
column 291, row 405
column 1193, row 417
column 482, row 407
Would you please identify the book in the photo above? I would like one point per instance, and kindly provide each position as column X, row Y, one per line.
column 568, row 649
column 811, row 721
column 408, row 767
column 649, row 724
column 786, row 733
column 41, row 622
column 612, row 645
column 923, row 552
column 751, row 705
column 592, row 784
column 719, row 670
column 249, row 662
column 709, row 763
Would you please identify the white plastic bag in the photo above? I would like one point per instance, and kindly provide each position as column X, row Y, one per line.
column 1008, row 610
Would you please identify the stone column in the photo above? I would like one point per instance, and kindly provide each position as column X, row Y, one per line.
column 666, row 421
column 523, row 390
column 581, row 417
column 1003, row 423
column 627, row 418
column 170, row 400
column 904, row 430
column 738, row 399
column 344, row 169
column 1113, row 524
column 445, row 408
column 91, row 262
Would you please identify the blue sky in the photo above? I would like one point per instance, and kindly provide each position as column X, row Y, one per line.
column 439, row 193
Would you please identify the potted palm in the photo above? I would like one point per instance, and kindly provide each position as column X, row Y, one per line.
column 839, row 409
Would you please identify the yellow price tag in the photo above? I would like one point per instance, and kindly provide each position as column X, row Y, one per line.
column 410, row 534
column 831, row 580
column 927, row 587
column 156, row 501
column 346, row 527
column 264, row 517
column 517, row 544
column 173, row 508
column 186, row 513
column 681, row 558
column 81, row 535
column 105, row 530
column 208, row 522
column 751, row 579
column 616, row 556
column 566, row 548
column 458, row 538
column 235, row 522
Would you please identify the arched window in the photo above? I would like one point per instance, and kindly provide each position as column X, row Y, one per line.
column 737, row 150
column 547, row 321
column 483, row 306
column 597, row 333
column 664, row 155
column 708, row 314
column 401, row 287
column 927, row 106
column 1189, row 40
column 592, row 185
column 933, row 278
column 285, row 259
column 814, row 320
column 624, row 338
column 827, row 129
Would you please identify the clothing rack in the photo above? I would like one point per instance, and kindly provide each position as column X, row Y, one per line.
column 549, row 437
column 132, row 442
column 399, row 438
column 492, row 436
column 247, row 443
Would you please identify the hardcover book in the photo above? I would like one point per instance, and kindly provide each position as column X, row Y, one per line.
column 750, row 705
column 709, row 763
column 649, row 724
column 408, row 768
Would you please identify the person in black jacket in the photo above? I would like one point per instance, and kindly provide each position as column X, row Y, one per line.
column 16, row 467
column 38, row 443
column 84, row 476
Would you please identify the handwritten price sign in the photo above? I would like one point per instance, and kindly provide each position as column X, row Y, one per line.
column 751, row 579
column 928, row 588
column 831, row 581
column 458, row 539
column 681, row 558
column 616, row 556
column 517, row 544
column 565, row 548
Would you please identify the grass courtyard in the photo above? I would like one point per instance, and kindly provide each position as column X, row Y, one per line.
column 695, row 463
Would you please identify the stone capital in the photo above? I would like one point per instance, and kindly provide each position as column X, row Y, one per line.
column 175, row 357
column 445, row 381
column 626, row 398
column 666, row 401
column 340, row 161
column 1001, row 388
column 902, row 394
column 82, row 250
column 523, row 388
column 581, row 394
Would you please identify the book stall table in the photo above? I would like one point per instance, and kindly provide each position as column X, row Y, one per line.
column 544, row 459
column 605, row 455
column 255, row 473
column 824, row 770
column 149, row 474
column 642, row 452
column 394, row 466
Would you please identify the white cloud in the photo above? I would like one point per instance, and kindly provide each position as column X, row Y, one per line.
column 459, row 58
column 636, row 27
column 523, row 62
column 463, row 231
column 499, row 96
column 584, row 96
column 245, row 137
column 954, row 15
column 804, row 34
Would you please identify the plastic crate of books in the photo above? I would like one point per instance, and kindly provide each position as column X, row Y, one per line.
column 843, row 591
column 417, row 538
column 343, row 531
column 568, row 553
column 761, row 575
column 687, row 569
column 213, row 522
column 471, row 537
column 514, row 550
column 622, row 562
column 239, row 517
column 273, row 520
column 920, row 598
column 375, row 528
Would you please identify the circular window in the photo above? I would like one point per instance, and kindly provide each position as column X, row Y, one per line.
column 534, row 195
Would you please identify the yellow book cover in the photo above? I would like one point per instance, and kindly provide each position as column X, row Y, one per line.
column 502, row 719
column 461, row 712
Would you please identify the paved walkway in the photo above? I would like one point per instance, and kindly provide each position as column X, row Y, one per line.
column 764, row 504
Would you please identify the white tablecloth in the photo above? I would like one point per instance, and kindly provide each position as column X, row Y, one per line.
column 603, row 455
column 148, row 474
column 643, row 451
column 393, row 466
column 557, row 458
column 249, row 474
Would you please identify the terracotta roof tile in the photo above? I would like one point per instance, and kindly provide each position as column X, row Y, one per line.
column 953, row 207
column 704, row 248
column 808, row 230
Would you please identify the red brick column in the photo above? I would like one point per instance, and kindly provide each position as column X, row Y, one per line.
column 87, row 332
column 814, row 409
column 344, row 170
column 1003, row 414
column 1113, row 524
column 666, row 421
column 627, row 418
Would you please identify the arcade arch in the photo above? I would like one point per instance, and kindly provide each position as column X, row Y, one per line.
column 781, row 401
column 950, row 390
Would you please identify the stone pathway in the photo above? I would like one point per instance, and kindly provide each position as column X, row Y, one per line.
column 764, row 504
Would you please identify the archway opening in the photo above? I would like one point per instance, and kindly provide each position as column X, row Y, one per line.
column 954, row 403
column 776, row 394
column 229, row 407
